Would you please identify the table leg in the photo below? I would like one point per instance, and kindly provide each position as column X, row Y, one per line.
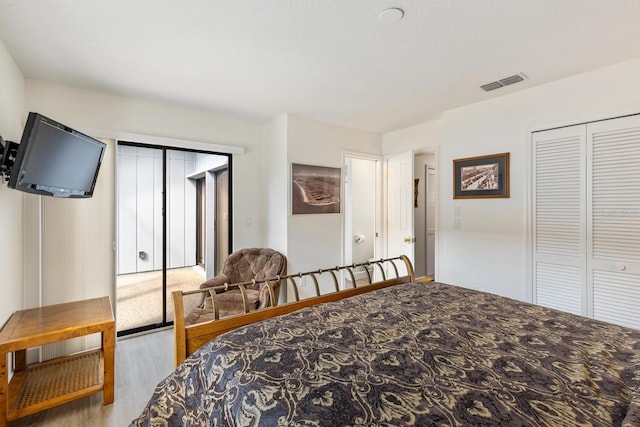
column 4, row 389
column 108, row 349
column 20, row 360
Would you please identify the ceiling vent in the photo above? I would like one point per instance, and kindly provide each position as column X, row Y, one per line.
column 492, row 86
column 516, row 78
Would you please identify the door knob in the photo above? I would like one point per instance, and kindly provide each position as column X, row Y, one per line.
column 408, row 240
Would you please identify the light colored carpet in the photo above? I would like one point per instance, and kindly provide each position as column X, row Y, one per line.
column 139, row 296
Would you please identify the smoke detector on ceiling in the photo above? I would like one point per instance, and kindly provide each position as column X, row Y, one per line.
column 516, row 78
column 393, row 14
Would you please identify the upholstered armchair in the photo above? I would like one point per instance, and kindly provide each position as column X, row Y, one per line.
column 244, row 265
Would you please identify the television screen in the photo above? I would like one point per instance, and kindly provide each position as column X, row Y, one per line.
column 55, row 160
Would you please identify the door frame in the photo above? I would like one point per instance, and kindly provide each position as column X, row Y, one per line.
column 165, row 148
column 201, row 222
column 421, row 171
column 217, row 260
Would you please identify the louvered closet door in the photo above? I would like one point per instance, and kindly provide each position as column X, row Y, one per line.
column 559, row 219
column 613, row 200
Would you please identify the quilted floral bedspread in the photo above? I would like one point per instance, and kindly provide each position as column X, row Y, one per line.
column 424, row 354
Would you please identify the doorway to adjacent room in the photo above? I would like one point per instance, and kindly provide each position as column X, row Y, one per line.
column 362, row 219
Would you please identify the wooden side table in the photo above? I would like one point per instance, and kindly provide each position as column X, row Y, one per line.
column 43, row 385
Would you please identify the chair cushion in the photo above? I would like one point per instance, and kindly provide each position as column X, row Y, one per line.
column 229, row 304
column 234, row 296
column 198, row 315
column 254, row 263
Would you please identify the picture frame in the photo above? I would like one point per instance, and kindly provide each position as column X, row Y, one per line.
column 481, row 177
column 315, row 189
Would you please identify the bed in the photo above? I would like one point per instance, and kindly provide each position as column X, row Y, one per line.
column 416, row 353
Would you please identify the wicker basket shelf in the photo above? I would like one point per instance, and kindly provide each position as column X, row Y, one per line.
column 47, row 384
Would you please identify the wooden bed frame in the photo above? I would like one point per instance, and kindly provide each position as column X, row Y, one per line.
column 189, row 338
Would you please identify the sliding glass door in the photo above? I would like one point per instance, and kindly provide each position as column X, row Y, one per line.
column 168, row 205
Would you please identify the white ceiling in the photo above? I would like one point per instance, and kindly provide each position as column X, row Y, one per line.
column 331, row 60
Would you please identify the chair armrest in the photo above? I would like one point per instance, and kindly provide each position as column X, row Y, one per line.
column 218, row 280
column 265, row 296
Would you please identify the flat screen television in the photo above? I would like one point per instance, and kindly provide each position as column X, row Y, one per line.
column 55, row 160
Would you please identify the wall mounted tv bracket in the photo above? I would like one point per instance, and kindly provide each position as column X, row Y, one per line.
column 9, row 150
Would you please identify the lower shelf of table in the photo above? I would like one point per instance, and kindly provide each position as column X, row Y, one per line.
column 54, row 382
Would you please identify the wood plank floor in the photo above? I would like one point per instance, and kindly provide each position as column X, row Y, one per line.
column 141, row 362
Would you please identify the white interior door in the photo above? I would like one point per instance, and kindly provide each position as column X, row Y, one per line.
column 586, row 211
column 400, row 232
column 559, row 252
column 613, row 201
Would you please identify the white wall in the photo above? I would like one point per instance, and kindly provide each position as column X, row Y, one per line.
column 86, row 109
column 83, row 109
column 316, row 240
column 12, row 98
column 308, row 241
column 75, row 246
column 275, row 184
column 490, row 250
column 423, row 138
